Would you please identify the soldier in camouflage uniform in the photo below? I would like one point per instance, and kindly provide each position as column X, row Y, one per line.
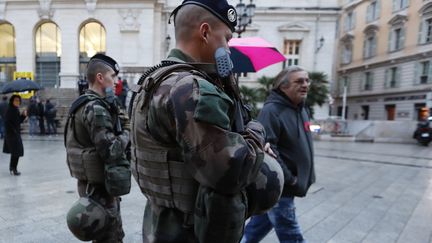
column 96, row 137
column 202, row 178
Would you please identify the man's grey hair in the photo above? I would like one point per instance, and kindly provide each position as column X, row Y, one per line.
column 283, row 77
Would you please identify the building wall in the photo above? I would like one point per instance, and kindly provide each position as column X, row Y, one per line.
column 137, row 31
column 408, row 93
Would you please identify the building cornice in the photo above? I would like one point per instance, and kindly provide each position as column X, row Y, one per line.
column 394, row 91
column 388, row 62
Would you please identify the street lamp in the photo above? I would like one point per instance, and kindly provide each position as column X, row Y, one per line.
column 320, row 44
column 244, row 16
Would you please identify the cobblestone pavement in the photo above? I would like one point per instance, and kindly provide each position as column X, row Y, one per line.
column 365, row 192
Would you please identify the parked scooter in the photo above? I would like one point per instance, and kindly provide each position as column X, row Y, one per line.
column 423, row 133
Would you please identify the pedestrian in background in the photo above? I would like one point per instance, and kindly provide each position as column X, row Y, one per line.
column 13, row 143
column 123, row 94
column 3, row 108
column 32, row 113
column 41, row 116
column 50, row 115
column 286, row 122
column 82, row 85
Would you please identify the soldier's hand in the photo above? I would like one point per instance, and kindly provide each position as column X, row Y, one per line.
column 268, row 150
column 124, row 121
column 257, row 131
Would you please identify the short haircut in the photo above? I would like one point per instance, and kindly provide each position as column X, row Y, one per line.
column 283, row 77
column 94, row 67
column 189, row 17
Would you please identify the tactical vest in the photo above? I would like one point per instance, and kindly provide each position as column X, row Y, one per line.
column 159, row 168
column 82, row 158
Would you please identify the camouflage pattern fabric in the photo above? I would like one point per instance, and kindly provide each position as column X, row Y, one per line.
column 100, row 125
column 196, row 115
column 95, row 129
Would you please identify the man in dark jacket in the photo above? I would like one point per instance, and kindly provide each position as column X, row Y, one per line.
column 286, row 122
column 41, row 115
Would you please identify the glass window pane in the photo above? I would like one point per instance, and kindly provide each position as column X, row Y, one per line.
column 92, row 39
column 48, row 40
column 7, row 40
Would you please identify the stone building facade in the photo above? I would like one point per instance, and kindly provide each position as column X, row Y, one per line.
column 384, row 60
column 54, row 39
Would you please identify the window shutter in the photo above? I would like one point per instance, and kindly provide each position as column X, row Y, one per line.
column 346, row 23
column 395, row 5
column 430, row 71
column 363, row 82
column 378, row 9
column 398, row 76
column 417, row 72
column 369, row 14
column 421, row 35
column 390, row 41
column 364, row 47
column 374, row 43
column 372, row 80
column 353, row 21
column 386, row 78
column 402, row 38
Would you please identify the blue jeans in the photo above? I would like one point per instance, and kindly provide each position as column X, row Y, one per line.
column 33, row 122
column 281, row 217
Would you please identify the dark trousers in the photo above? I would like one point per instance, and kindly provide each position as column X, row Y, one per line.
column 42, row 126
column 51, row 125
column 13, row 162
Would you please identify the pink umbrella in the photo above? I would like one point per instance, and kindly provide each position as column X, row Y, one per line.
column 252, row 54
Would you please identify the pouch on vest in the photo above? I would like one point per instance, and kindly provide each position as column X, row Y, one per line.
column 218, row 217
column 118, row 178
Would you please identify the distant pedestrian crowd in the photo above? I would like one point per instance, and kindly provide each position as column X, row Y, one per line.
column 41, row 116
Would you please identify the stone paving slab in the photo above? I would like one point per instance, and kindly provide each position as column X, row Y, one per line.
column 364, row 193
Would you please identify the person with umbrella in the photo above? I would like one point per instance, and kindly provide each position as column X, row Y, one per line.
column 13, row 143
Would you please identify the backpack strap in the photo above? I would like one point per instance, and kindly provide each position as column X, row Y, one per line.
column 78, row 103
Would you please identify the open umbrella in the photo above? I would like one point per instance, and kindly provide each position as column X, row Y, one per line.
column 20, row 85
column 252, row 54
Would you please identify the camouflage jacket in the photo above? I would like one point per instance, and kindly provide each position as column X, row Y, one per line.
column 197, row 115
column 94, row 128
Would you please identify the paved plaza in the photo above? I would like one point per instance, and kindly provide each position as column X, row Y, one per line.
column 365, row 192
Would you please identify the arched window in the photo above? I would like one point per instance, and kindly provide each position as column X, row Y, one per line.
column 7, row 52
column 92, row 41
column 48, row 53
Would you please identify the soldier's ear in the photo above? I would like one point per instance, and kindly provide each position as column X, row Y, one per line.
column 99, row 78
column 204, row 32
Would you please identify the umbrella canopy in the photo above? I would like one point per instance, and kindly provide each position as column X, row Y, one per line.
column 20, row 85
column 252, row 54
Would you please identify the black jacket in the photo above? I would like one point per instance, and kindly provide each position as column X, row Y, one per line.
column 12, row 140
column 288, row 132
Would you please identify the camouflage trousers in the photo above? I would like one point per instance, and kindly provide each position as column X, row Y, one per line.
column 166, row 225
column 115, row 232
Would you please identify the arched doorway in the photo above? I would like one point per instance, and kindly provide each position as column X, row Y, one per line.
column 92, row 40
column 7, row 52
column 48, row 53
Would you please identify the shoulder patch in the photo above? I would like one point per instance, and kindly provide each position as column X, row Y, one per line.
column 213, row 105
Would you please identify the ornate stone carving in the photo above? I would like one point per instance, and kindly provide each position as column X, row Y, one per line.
column 45, row 11
column 130, row 21
column 91, row 6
